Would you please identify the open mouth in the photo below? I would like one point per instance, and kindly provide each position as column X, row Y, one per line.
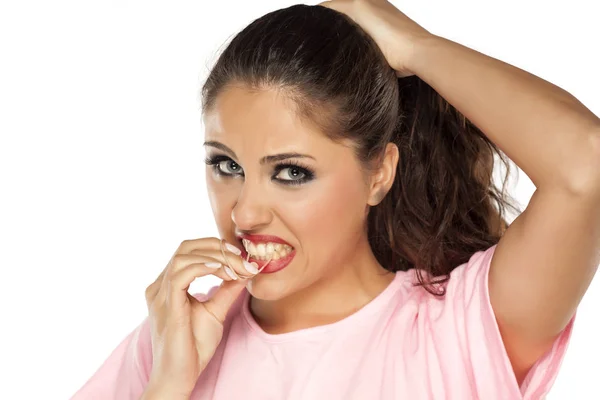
column 270, row 253
column 266, row 251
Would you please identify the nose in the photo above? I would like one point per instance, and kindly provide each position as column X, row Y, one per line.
column 251, row 210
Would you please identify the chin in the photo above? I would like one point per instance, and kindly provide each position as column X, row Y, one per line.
column 265, row 288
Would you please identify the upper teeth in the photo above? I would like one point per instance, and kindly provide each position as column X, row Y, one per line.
column 265, row 251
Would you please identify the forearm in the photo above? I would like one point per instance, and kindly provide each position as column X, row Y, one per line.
column 546, row 131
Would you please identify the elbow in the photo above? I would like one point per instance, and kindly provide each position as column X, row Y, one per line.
column 585, row 179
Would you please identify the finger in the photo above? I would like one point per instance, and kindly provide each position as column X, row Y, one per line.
column 190, row 244
column 181, row 258
column 183, row 278
column 238, row 265
column 215, row 246
column 210, row 243
column 230, row 256
column 222, row 300
column 154, row 287
column 179, row 284
column 153, row 290
column 211, row 266
column 181, row 261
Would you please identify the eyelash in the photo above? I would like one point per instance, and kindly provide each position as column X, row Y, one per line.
column 214, row 162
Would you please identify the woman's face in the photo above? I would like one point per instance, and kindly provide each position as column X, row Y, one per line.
column 271, row 174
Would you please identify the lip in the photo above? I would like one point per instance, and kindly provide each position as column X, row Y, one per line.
column 274, row 265
column 263, row 239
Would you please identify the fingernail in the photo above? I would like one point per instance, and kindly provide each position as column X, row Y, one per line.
column 229, row 272
column 214, row 265
column 233, row 249
column 251, row 267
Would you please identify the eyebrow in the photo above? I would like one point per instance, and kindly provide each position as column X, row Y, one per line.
column 265, row 160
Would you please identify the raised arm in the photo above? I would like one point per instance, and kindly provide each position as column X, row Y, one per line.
column 547, row 258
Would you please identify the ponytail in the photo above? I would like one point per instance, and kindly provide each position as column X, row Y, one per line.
column 443, row 205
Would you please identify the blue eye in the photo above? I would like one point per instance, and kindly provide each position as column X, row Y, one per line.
column 225, row 166
column 229, row 167
column 292, row 174
column 289, row 173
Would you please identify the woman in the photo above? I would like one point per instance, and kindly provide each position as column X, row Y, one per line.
column 364, row 251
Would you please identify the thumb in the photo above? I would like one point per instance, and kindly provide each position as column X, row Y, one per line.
column 223, row 298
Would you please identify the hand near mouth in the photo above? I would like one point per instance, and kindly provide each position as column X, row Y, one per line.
column 185, row 330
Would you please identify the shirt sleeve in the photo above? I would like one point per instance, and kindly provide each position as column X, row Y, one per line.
column 125, row 373
column 476, row 326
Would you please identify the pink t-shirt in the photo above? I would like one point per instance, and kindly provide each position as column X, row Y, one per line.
column 404, row 344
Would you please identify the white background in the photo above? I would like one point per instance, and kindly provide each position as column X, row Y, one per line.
column 101, row 165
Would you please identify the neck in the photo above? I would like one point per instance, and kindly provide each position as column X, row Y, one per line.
column 348, row 288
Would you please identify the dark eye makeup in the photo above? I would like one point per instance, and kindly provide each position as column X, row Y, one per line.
column 288, row 172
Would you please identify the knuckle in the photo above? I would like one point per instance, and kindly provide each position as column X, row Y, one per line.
column 183, row 246
column 197, row 252
column 149, row 292
column 177, row 260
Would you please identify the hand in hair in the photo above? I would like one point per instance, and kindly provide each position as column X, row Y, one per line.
column 396, row 35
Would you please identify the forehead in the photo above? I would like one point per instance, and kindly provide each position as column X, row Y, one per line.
column 260, row 119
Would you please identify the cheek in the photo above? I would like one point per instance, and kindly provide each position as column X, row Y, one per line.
column 222, row 199
column 328, row 215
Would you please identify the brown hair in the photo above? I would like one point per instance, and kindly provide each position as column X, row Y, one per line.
column 443, row 205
